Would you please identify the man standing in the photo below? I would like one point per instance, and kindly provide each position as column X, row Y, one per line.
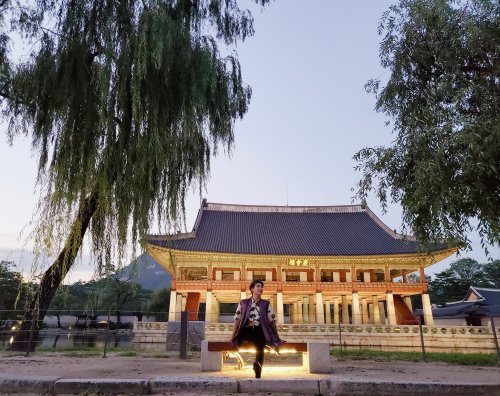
column 255, row 324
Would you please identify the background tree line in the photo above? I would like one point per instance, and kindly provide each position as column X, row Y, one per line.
column 115, row 293
column 453, row 283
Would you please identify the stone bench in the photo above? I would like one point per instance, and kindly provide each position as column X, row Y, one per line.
column 315, row 355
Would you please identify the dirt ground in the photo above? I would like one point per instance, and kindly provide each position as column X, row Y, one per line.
column 150, row 367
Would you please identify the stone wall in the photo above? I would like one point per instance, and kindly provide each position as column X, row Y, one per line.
column 149, row 333
column 460, row 321
column 378, row 337
column 381, row 337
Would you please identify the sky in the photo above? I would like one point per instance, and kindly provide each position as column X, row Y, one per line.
column 309, row 114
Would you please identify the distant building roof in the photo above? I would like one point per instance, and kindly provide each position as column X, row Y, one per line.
column 487, row 295
column 289, row 230
column 488, row 303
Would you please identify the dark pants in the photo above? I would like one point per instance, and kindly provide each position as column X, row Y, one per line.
column 255, row 337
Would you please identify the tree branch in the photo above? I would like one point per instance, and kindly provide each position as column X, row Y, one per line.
column 473, row 68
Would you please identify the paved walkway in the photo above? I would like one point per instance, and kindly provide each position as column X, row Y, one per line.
column 167, row 374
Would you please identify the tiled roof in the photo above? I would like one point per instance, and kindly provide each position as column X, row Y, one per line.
column 488, row 305
column 282, row 230
column 460, row 308
column 491, row 296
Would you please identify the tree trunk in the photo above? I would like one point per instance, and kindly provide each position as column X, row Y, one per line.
column 25, row 338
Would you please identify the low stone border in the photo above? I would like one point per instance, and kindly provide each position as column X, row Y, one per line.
column 325, row 386
column 302, row 386
column 350, row 387
column 25, row 384
column 215, row 385
column 98, row 385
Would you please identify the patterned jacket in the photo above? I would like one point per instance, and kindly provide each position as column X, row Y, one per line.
column 271, row 338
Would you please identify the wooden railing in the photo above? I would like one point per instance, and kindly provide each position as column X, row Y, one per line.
column 298, row 287
column 190, row 285
column 345, row 287
column 304, row 287
column 226, row 285
column 406, row 288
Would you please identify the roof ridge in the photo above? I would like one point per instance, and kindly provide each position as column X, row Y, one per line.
column 223, row 207
column 451, row 303
column 486, row 288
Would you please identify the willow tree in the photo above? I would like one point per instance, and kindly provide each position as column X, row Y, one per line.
column 442, row 97
column 125, row 102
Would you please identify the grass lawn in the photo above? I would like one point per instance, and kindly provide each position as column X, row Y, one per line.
column 465, row 359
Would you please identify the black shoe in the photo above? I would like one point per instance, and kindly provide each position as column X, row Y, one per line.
column 257, row 368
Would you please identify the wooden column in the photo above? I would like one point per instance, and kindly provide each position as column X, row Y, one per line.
column 382, row 312
column 312, row 310
column 216, row 310
column 356, row 315
column 172, row 304
column 305, row 309
column 426, row 305
column 320, row 315
column 328, row 314
column 178, row 307
column 336, row 311
column 209, row 308
column 370, row 313
column 391, row 311
column 345, row 310
column 280, row 313
column 293, row 312
column 300, row 314
column 364, row 311
column 376, row 311
column 173, row 296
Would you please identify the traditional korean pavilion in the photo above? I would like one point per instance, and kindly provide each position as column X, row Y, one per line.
column 329, row 264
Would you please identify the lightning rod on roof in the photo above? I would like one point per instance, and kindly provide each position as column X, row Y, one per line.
column 286, row 189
